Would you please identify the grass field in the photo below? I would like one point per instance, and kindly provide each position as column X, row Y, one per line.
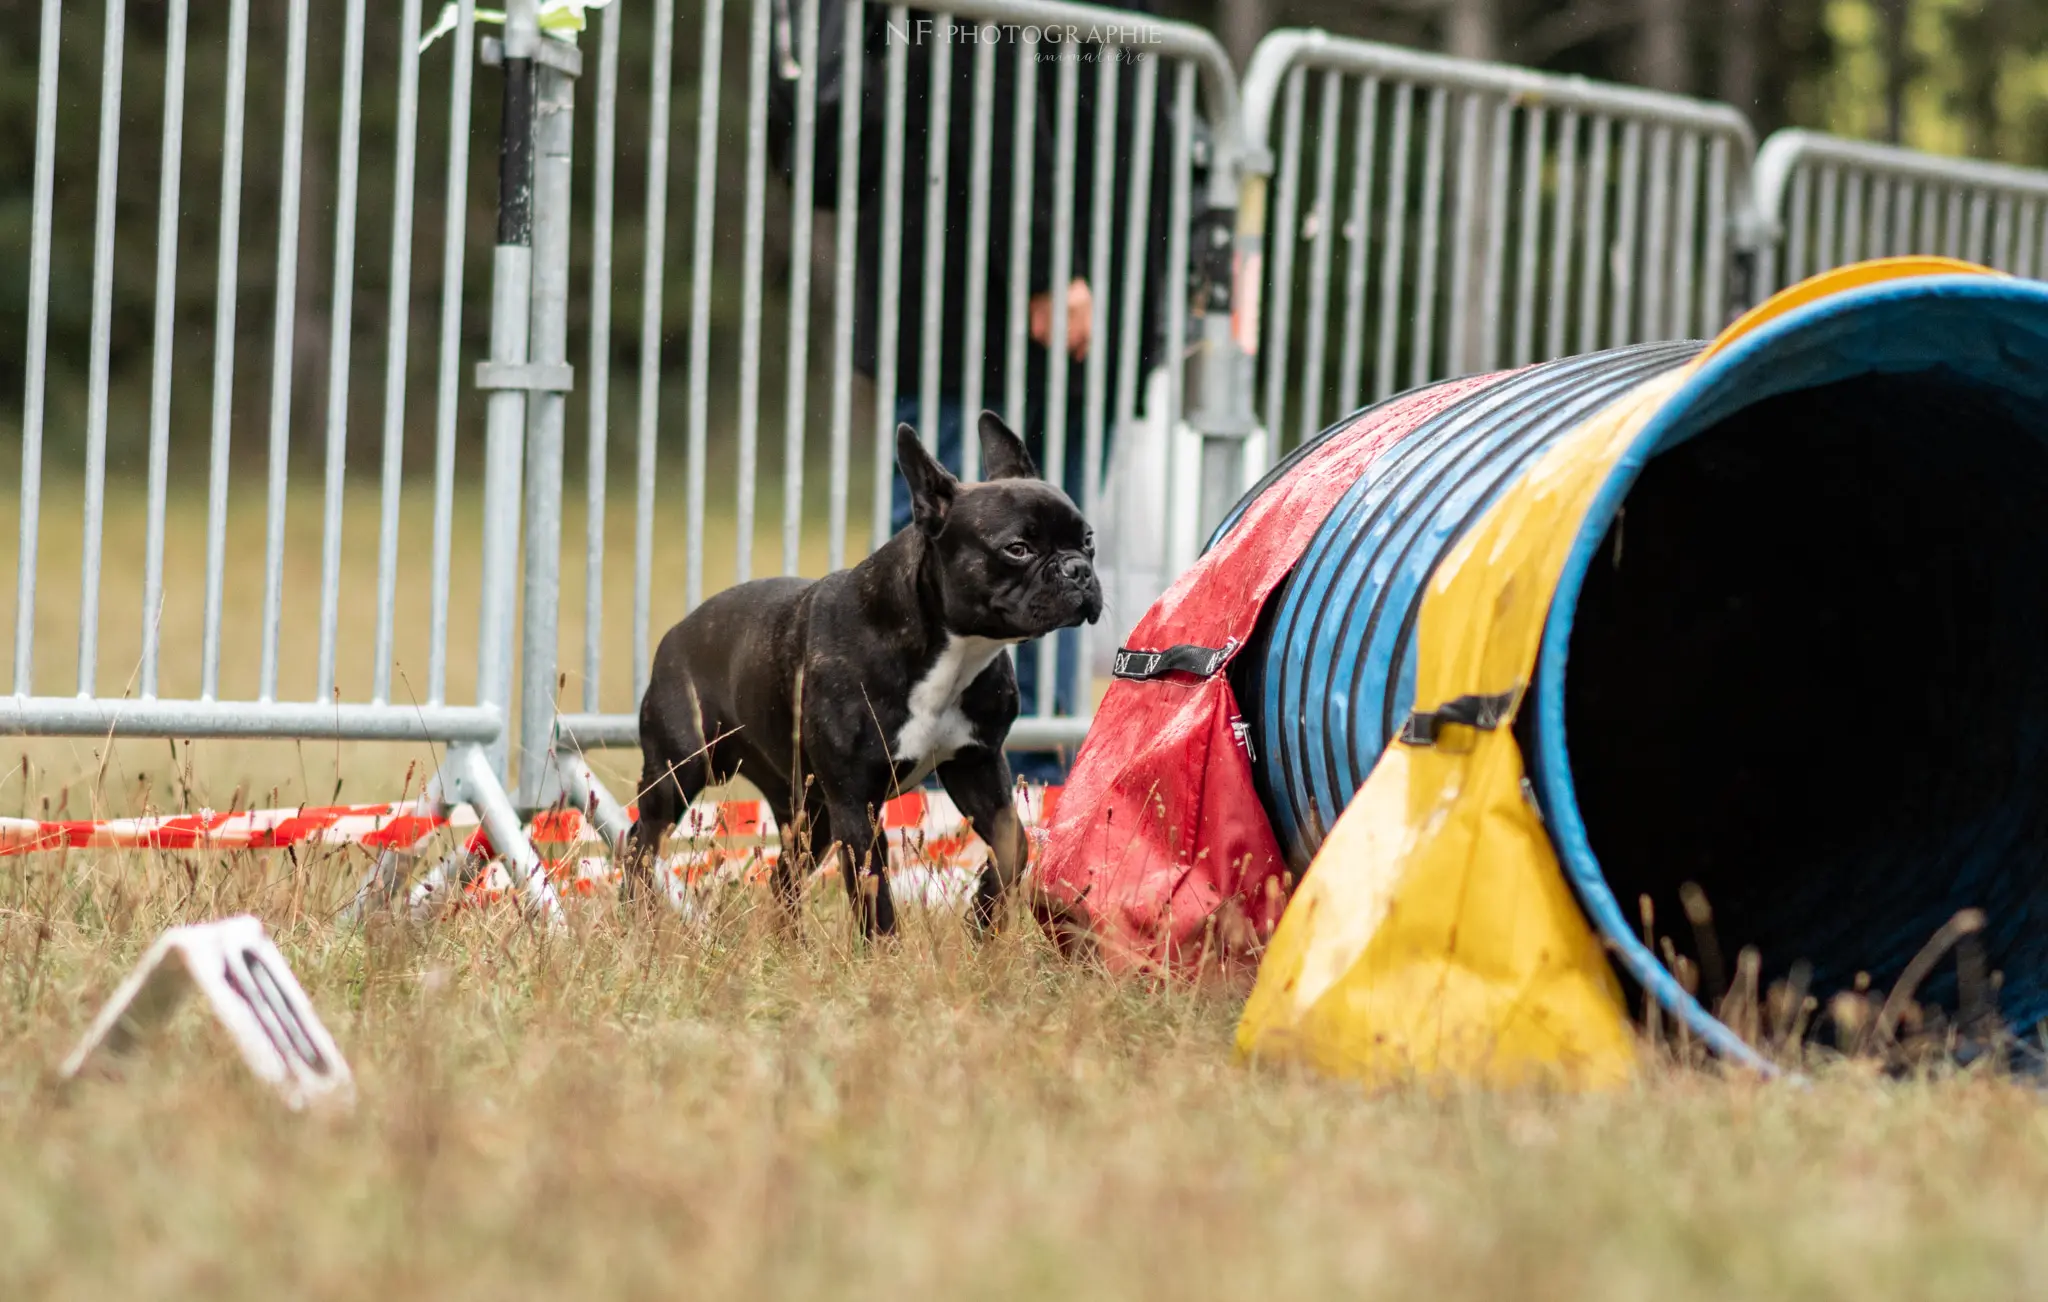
column 653, row 1108
column 649, row 1107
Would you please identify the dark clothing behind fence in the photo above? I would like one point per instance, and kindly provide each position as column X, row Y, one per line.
column 919, row 36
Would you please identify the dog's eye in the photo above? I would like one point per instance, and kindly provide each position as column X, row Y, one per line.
column 1088, row 545
column 1018, row 551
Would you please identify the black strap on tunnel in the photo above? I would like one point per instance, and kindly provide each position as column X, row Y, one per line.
column 1143, row 666
column 1482, row 712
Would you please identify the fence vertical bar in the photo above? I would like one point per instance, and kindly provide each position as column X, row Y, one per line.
column 1421, row 360
column 1535, row 124
column 712, row 60
column 1101, row 234
column 938, row 135
column 1058, row 367
column 1394, row 236
column 1881, row 204
column 653, row 270
column 1282, row 235
column 1136, row 244
column 2024, row 239
column 1178, row 219
column 1058, row 372
column 1023, row 173
column 797, row 357
column 1713, row 268
column 1593, row 254
column 893, row 127
column 1464, row 234
column 506, row 406
column 2002, row 233
column 973, row 369
column 1316, row 330
column 36, row 366
column 397, row 345
column 1651, row 322
column 1358, row 239
column 1904, row 193
column 1494, row 273
column 1826, row 229
column 1928, row 218
column 163, row 334
column 112, row 49
column 1879, row 234
column 756, row 233
column 1629, row 186
column 845, row 230
column 547, row 411
column 1852, row 217
column 340, row 328
column 1952, row 223
column 597, row 449
column 1799, row 230
column 454, row 242
column 1977, row 249
column 281, row 341
column 1555, row 342
column 1684, row 238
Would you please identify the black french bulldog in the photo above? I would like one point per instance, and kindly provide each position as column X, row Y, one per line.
column 839, row 693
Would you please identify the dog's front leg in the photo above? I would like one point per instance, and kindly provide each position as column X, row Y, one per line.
column 979, row 782
column 863, row 862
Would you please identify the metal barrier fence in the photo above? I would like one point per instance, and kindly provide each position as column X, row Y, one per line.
column 1823, row 201
column 143, row 706
column 1549, row 214
column 1124, row 113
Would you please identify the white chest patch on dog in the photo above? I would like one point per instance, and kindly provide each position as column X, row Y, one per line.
column 937, row 730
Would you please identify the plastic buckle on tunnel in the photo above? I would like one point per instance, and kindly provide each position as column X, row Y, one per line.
column 1485, row 713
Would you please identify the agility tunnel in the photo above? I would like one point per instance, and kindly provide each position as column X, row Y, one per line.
column 1761, row 617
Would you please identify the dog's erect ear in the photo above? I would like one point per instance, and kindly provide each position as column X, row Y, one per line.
column 931, row 485
column 1002, row 452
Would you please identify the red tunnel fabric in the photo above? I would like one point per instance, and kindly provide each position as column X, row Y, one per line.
column 1160, row 855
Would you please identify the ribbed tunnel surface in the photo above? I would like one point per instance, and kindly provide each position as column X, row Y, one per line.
column 1798, row 657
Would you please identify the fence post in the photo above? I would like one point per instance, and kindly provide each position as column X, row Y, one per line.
column 558, row 64
column 505, row 376
column 1223, row 354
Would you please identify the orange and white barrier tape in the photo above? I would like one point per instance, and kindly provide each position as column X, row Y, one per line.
column 929, row 841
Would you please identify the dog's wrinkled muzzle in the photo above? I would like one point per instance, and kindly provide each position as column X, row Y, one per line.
column 1085, row 591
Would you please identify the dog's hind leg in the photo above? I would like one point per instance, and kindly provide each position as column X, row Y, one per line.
column 675, row 766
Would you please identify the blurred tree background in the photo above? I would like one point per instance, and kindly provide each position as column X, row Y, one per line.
column 1953, row 76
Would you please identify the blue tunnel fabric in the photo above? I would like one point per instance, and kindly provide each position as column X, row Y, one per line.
column 1858, row 495
column 1335, row 656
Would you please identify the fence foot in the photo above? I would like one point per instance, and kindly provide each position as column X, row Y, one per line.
column 466, row 777
column 581, row 788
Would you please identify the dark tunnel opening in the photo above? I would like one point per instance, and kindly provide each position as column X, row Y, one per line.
column 1809, row 672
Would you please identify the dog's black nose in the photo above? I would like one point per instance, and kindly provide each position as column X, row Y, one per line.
column 1076, row 569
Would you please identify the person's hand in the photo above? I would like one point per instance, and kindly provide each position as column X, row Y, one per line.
column 1080, row 319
